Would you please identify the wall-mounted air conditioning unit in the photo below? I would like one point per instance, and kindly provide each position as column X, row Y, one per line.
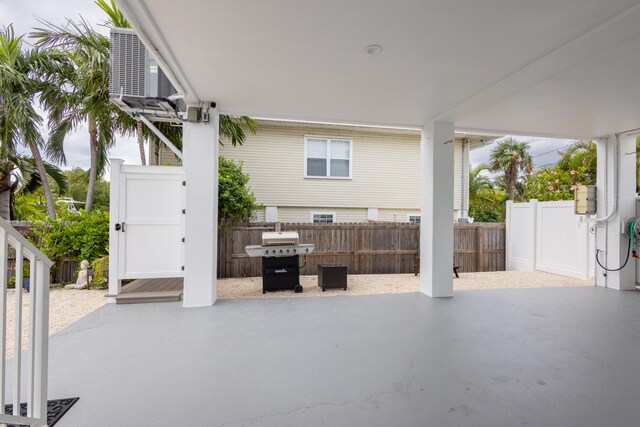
column 136, row 82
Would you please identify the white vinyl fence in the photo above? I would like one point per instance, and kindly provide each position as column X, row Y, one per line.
column 548, row 236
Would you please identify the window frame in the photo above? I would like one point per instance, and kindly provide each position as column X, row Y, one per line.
column 329, row 139
column 333, row 214
column 414, row 214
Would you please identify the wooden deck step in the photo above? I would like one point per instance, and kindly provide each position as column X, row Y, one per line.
column 144, row 297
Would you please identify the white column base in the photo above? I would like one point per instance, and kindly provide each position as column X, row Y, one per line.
column 436, row 228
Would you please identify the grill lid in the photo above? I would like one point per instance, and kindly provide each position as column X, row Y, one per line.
column 280, row 238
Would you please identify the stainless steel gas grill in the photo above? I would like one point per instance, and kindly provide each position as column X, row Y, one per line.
column 280, row 252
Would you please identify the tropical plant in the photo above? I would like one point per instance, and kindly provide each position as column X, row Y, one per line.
column 83, row 96
column 236, row 202
column 79, row 185
column 83, row 236
column 580, row 155
column 25, row 192
column 478, row 181
column 555, row 183
column 511, row 158
column 24, row 74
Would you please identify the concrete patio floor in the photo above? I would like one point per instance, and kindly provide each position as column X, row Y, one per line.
column 537, row 357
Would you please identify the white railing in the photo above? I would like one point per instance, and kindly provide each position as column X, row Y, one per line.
column 35, row 374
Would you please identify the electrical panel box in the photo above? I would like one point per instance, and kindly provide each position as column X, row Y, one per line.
column 585, row 200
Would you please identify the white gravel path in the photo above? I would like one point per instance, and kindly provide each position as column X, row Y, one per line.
column 251, row 287
column 66, row 307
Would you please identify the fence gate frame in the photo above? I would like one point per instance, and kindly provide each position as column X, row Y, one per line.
column 168, row 224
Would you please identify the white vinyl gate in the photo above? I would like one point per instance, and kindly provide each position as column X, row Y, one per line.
column 548, row 236
column 147, row 221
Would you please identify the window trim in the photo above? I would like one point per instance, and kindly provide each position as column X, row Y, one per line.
column 410, row 214
column 328, row 138
column 333, row 214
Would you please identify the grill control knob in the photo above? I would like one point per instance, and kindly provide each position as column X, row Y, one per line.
column 294, row 251
column 307, row 250
column 287, row 250
column 274, row 251
column 266, row 252
column 280, row 250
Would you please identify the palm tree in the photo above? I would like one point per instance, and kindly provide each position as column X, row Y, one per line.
column 511, row 158
column 23, row 76
column 84, row 96
column 25, row 179
column 580, row 154
column 478, row 181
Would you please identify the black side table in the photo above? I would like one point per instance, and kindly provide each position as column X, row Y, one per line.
column 332, row 276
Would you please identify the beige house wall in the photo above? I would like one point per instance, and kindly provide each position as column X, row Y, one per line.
column 385, row 172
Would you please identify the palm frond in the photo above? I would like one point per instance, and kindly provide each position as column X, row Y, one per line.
column 116, row 17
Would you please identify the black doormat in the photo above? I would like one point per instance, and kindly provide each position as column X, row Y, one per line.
column 55, row 410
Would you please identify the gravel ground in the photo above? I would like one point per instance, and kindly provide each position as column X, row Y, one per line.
column 251, row 287
column 66, row 307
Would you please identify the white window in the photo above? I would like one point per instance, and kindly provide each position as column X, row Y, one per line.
column 327, row 157
column 323, row 217
column 413, row 218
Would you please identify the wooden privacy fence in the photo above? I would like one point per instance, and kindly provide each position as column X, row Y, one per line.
column 366, row 248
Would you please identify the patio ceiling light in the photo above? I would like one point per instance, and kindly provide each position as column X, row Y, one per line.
column 373, row 49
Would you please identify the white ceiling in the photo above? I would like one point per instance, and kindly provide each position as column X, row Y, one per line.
column 544, row 67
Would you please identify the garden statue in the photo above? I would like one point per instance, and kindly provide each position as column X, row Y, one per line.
column 83, row 277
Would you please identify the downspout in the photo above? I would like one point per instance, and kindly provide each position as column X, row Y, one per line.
column 464, row 179
column 615, row 180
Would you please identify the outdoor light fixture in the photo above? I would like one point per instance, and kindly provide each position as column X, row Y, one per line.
column 373, row 49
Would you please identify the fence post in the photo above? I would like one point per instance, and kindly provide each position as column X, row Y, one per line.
column 356, row 255
column 507, row 231
column 480, row 237
column 536, row 230
column 114, row 235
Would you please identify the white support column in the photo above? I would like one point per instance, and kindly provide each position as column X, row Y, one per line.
column 436, row 227
column 114, row 235
column 616, row 168
column 200, row 160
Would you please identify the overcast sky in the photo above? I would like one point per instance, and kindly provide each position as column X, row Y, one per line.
column 24, row 15
column 543, row 150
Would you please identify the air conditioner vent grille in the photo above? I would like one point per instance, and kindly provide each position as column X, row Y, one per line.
column 128, row 64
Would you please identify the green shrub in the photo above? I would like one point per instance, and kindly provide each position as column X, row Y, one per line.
column 236, row 202
column 489, row 215
column 98, row 272
column 83, row 236
column 548, row 184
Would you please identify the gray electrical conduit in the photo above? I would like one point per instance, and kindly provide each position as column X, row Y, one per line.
column 615, row 181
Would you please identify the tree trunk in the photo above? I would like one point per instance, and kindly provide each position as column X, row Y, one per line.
column 511, row 181
column 139, row 130
column 12, row 200
column 5, row 196
column 44, row 179
column 93, row 170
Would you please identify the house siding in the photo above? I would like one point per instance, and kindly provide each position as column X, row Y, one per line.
column 385, row 172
